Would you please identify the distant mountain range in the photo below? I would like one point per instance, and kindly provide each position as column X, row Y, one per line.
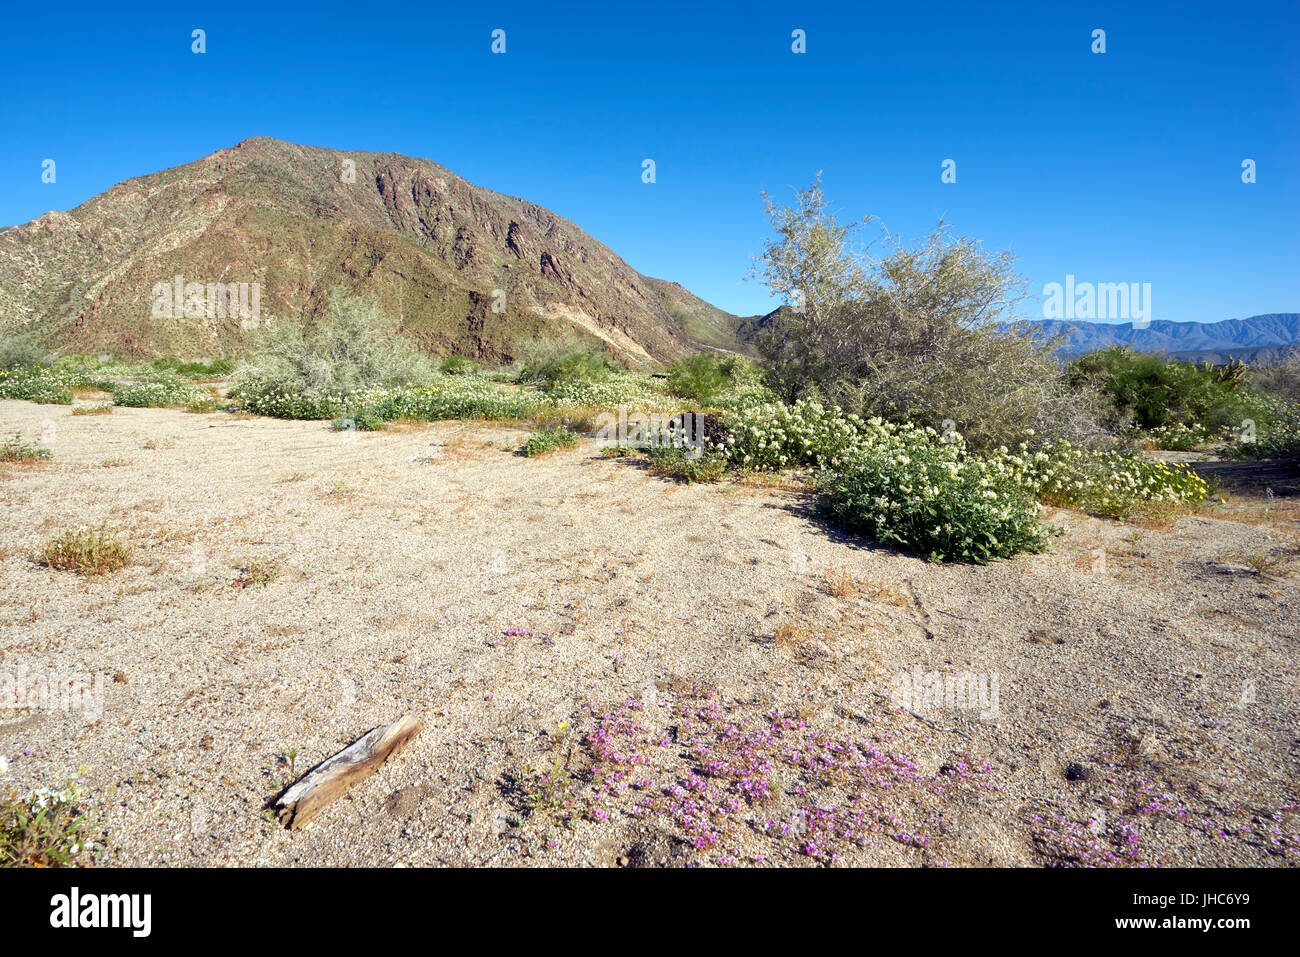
column 464, row 269
column 1265, row 338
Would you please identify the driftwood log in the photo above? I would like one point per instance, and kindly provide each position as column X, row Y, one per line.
column 333, row 777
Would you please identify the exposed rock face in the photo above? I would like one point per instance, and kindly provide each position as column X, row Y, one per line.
column 428, row 245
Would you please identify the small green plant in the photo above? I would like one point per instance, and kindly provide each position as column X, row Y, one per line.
column 686, row 465
column 548, row 441
column 257, row 572
column 99, row 408
column 17, row 451
column 44, row 829
column 615, row 452
column 87, row 551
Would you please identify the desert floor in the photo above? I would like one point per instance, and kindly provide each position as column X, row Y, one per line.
column 584, row 639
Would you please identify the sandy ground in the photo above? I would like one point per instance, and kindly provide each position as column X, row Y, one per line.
column 598, row 653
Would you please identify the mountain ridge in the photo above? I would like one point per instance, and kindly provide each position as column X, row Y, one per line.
column 431, row 247
column 1268, row 334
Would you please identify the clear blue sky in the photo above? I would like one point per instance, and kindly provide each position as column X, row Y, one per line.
column 1121, row 167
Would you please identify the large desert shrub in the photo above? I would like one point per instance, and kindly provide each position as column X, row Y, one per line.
column 567, row 358
column 1174, row 397
column 22, row 349
column 305, row 375
column 928, row 333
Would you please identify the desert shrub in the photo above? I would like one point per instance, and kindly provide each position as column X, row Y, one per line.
column 22, row 349
column 163, row 389
column 568, row 358
column 1171, row 400
column 308, row 377
column 930, row 499
column 928, row 334
column 686, row 464
column 1109, row 482
column 700, row 377
column 612, row 390
column 216, row 369
column 37, row 384
column 87, row 551
column 548, row 441
column 99, row 408
column 43, row 829
column 16, row 450
column 777, row 436
column 458, row 365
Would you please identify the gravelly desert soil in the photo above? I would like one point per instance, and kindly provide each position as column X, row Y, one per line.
column 1146, row 704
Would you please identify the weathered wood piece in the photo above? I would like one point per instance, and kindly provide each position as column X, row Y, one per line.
column 334, row 776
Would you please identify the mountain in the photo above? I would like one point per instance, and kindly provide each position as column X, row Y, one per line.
column 431, row 247
column 1259, row 338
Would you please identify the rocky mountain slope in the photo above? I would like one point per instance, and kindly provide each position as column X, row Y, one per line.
column 430, row 246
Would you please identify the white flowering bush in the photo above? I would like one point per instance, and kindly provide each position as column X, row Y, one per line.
column 905, row 487
column 157, row 391
column 1109, row 482
column 628, row 390
column 38, row 384
column 777, row 436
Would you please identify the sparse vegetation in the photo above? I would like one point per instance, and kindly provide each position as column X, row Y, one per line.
column 685, row 464
column 541, row 443
column 257, row 572
column 17, row 450
column 87, row 551
column 43, row 829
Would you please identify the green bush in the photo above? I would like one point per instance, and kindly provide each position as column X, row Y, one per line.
column 458, row 365
column 548, row 441
column 931, row 500
column 22, row 350
column 687, row 465
column 700, row 377
column 216, row 369
column 569, row 358
column 354, row 348
column 1175, row 400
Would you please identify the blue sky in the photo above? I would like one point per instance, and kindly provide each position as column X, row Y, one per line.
column 1118, row 167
